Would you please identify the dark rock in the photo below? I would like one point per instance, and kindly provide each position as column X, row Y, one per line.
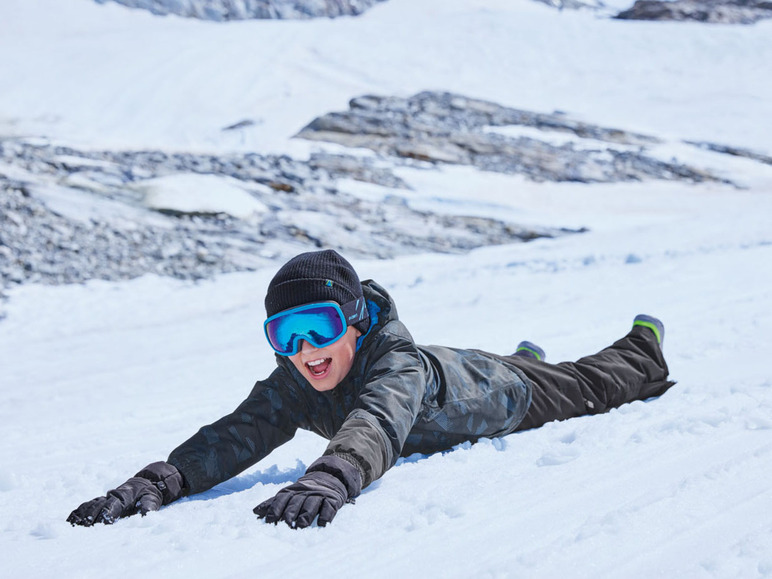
column 445, row 128
column 711, row 11
column 240, row 125
column 734, row 151
column 357, row 168
column 305, row 209
column 573, row 4
column 224, row 10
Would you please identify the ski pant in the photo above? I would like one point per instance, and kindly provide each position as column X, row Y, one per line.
column 633, row 368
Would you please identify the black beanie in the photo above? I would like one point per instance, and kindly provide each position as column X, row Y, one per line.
column 316, row 276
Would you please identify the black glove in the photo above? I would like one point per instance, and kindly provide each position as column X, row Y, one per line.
column 157, row 484
column 328, row 484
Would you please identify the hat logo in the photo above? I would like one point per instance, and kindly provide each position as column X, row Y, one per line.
column 328, row 283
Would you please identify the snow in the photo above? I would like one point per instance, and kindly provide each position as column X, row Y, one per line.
column 100, row 379
column 191, row 193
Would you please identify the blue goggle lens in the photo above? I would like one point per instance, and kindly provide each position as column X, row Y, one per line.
column 320, row 324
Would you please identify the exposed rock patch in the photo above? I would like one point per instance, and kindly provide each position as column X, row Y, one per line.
column 710, row 11
column 574, row 4
column 734, row 151
column 223, row 10
column 68, row 215
column 445, row 128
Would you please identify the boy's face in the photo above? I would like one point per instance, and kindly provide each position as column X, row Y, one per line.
column 326, row 367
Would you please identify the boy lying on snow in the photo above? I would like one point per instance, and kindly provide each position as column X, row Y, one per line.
column 349, row 370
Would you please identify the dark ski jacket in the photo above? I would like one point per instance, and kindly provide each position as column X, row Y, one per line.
column 398, row 399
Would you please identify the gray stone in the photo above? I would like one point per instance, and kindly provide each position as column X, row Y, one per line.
column 41, row 244
column 733, row 151
column 710, row 11
column 225, row 10
column 445, row 128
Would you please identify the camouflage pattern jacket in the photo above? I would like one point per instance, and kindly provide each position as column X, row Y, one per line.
column 398, row 399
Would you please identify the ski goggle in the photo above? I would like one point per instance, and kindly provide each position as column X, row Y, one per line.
column 320, row 324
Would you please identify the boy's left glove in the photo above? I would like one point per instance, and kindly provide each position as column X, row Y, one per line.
column 328, row 484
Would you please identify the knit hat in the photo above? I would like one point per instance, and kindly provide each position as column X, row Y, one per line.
column 316, row 276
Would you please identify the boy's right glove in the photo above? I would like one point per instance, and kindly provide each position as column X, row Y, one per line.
column 328, row 484
column 157, row 484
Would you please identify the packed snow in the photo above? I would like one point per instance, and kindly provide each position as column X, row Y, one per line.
column 97, row 380
column 190, row 193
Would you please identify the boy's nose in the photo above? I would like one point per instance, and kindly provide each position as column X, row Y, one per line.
column 306, row 346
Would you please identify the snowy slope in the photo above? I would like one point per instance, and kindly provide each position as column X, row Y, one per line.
column 98, row 380
column 105, row 74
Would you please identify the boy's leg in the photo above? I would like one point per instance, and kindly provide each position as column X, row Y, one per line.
column 632, row 368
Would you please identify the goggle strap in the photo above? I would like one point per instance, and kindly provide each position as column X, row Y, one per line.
column 355, row 311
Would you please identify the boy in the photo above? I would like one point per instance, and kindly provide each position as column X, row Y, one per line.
column 348, row 369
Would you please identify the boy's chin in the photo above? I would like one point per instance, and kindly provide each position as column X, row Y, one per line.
column 323, row 385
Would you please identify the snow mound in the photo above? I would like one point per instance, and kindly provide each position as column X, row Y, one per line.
column 199, row 194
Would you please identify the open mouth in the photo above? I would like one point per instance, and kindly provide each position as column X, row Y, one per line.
column 319, row 368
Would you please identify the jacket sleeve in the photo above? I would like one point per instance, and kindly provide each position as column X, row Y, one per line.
column 373, row 434
column 223, row 449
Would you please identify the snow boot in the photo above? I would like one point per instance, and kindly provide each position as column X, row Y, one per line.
column 654, row 324
column 529, row 350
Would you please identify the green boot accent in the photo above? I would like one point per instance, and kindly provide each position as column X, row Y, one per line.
column 654, row 324
column 529, row 350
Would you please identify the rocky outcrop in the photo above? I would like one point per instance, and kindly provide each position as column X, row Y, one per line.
column 445, row 128
column 223, row 10
column 574, row 4
column 68, row 215
column 711, row 11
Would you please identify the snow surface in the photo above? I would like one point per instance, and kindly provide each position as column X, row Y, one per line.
column 191, row 193
column 100, row 379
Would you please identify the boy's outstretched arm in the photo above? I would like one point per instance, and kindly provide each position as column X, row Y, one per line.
column 157, row 484
column 216, row 453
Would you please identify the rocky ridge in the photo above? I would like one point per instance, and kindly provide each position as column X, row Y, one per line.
column 46, row 236
column 446, row 128
column 709, row 11
column 224, row 10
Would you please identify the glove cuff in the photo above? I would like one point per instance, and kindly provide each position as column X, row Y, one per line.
column 166, row 478
column 341, row 469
